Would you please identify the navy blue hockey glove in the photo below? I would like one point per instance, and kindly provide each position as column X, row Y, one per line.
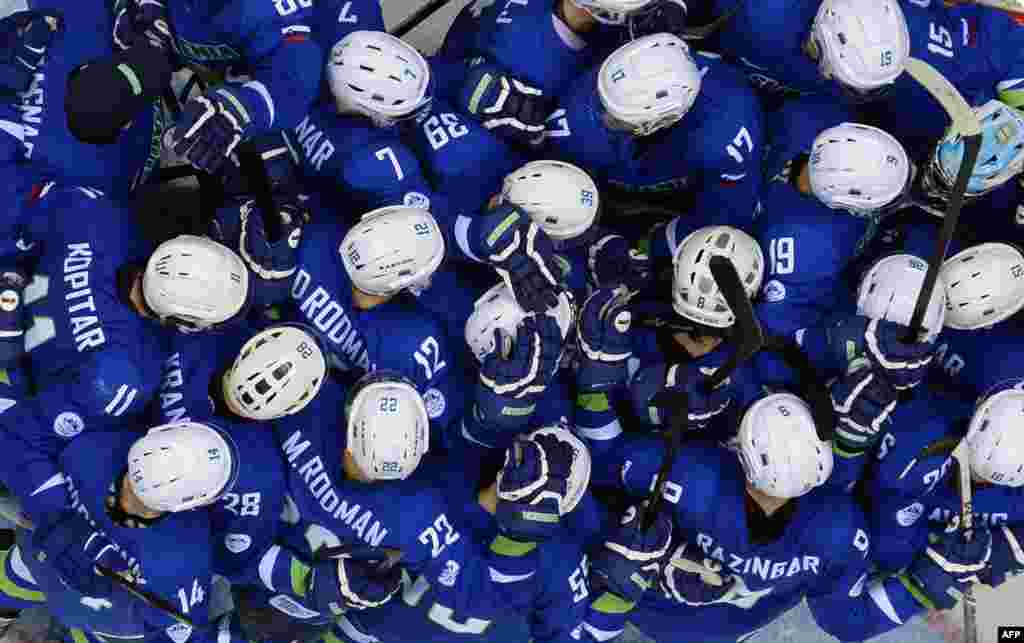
column 940, row 573
column 280, row 163
column 520, row 252
column 531, row 489
column 74, row 547
column 359, row 579
column 241, row 227
column 13, row 318
column 1007, row 555
column 506, row 106
column 695, row 580
column 24, row 38
column 704, row 405
column 210, row 128
column 528, row 363
column 602, row 331
column 902, row 365
column 631, row 559
column 143, row 21
column 863, row 402
column 612, row 262
column 667, row 16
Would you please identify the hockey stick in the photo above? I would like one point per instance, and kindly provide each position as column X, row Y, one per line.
column 703, row 31
column 966, row 124
column 145, row 596
column 251, row 164
column 1015, row 7
column 963, row 466
column 749, row 338
column 413, row 21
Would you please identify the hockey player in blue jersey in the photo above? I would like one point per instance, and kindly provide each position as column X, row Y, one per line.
column 126, row 503
column 629, row 123
column 271, row 41
column 853, row 47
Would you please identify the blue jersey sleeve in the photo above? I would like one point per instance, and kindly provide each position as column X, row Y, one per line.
column 335, row 19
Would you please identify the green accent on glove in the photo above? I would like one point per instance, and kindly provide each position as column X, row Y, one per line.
column 509, row 221
column 478, row 93
column 300, row 573
column 611, row 603
column 593, row 402
column 916, row 591
column 505, row 546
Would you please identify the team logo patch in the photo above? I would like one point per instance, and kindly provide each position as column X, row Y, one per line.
column 237, row 543
column 450, row 574
column 909, row 515
column 434, row 400
column 179, row 632
column 9, row 301
column 416, row 200
column 774, row 291
column 68, row 424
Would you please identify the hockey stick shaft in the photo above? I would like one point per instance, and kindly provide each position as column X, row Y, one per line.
column 1015, row 7
column 255, row 170
column 416, row 19
column 965, row 123
column 970, row 604
column 146, row 597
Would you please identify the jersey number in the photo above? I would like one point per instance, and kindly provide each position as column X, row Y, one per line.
column 288, row 7
column 430, row 348
column 190, row 600
column 578, row 581
column 782, row 254
column 388, row 153
column 735, row 149
column 440, row 129
column 940, row 40
column 246, row 504
column 439, row 536
column 443, row 616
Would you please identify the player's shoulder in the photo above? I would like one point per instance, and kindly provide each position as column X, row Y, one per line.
column 845, row 531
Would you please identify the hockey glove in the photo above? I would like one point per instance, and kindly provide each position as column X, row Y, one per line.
column 143, row 21
column 902, row 365
column 602, row 331
column 695, row 581
column 520, row 252
column 511, row 109
column 630, row 560
column 704, row 405
column 531, row 488
column 939, row 574
column 241, row 227
column 26, row 35
column 611, row 262
column 862, row 402
column 1007, row 555
column 13, row 318
column 667, row 16
column 74, row 547
column 528, row 364
column 210, row 128
column 359, row 579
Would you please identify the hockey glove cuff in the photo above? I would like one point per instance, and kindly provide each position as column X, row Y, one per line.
column 937, row 576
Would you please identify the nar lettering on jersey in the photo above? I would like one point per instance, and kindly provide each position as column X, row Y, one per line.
column 328, row 316
column 755, row 565
column 317, row 147
column 322, row 488
column 85, row 325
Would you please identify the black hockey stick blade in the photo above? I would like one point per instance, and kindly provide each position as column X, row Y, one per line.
column 413, row 21
column 146, row 597
column 972, row 146
column 703, row 31
column 251, row 164
column 748, row 336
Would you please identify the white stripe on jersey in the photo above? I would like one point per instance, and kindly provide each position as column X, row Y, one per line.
column 266, row 567
column 881, row 598
column 55, row 481
column 498, row 577
column 122, row 400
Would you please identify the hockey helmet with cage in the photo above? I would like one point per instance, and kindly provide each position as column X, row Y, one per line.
column 195, row 283
column 387, row 426
column 181, row 466
column 984, row 285
column 889, row 289
column 561, row 198
column 391, row 249
column 862, row 44
column 695, row 293
column 277, row 373
column 648, row 84
column 496, row 311
column 859, row 168
column 378, row 75
column 779, row 447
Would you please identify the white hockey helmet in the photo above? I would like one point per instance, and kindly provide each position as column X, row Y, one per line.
column 277, row 373
column 648, row 84
column 579, row 469
column 995, row 437
column 779, row 447
column 889, row 289
column 863, row 44
column 391, row 249
column 378, row 75
column 858, row 168
column 984, row 285
column 195, row 282
column 561, row 198
column 497, row 310
column 387, row 426
column 695, row 294
column 1000, row 159
column 181, row 466
column 613, row 12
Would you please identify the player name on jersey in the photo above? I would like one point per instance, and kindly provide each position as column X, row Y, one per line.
column 86, row 328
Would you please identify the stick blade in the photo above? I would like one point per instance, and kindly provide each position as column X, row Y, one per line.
column 965, row 121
